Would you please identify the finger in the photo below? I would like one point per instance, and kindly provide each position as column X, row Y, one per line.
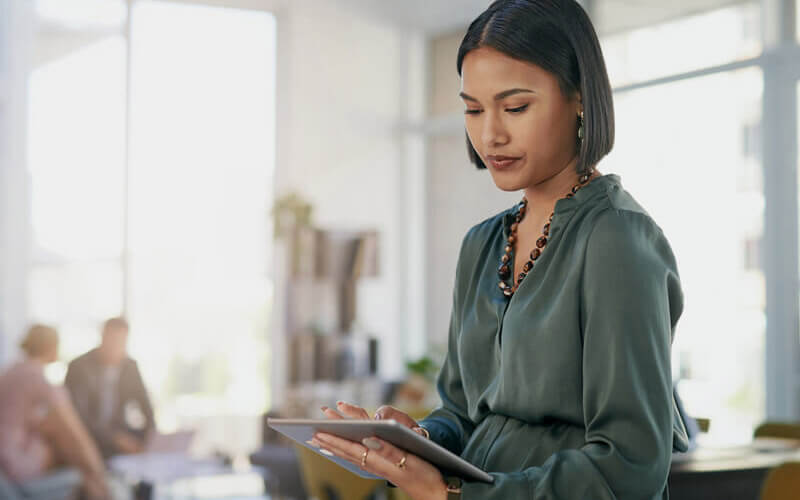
column 352, row 411
column 384, row 460
column 422, row 432
column 343, row 448
column 355, row 453
column 328, row 450
column 351, row 448
column 385, row 450
column 382, row 457
column 387, row 412
column 331, row 413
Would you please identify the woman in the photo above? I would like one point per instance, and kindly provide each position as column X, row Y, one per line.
column 557, row 378
column 39, row 429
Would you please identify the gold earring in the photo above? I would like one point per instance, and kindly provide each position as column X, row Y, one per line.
column 580, row 127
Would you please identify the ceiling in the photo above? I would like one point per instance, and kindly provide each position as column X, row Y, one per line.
column 434, row 17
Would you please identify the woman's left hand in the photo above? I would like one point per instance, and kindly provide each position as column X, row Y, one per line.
column 415, row 476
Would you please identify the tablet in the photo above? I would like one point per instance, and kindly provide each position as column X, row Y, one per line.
column 302, row 430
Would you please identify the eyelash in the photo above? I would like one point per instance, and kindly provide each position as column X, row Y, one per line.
column 519, row 109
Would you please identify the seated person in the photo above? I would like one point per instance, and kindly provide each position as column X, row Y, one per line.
column 104, row 383
column 39, row 429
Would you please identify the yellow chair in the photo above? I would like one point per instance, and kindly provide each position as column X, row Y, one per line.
column 325, row 480
column 703, row 423
column 782, row 482
column 784, row 430
column 397, row 494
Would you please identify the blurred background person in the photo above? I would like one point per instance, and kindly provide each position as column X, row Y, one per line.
column 109, row 394
column 39, row 429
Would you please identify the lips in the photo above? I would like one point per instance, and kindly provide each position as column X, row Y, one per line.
column 502, row 161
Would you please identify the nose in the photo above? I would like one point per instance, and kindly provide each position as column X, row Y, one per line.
column 494, row 133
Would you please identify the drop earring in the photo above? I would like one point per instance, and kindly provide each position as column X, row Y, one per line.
column 580, row 127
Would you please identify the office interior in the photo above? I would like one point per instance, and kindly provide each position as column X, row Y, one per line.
column 273, row 194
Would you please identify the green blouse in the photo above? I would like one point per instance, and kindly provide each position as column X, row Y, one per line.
column 565, row 390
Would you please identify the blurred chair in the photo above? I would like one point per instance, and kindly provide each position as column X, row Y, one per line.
column 703, row 424
column 782, row 482
column 325, row 480
column 784, row 430
column 397, row 494
column 281, row 471
column 277, row 460
column 58, row 485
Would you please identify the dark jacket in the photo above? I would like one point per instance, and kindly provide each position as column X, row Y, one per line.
column 84, row 383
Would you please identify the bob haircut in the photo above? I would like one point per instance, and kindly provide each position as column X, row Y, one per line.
column 40, row 340
column 557, row 36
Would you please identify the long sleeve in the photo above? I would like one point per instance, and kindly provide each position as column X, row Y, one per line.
column 141, row 397
column 630, row 301
column 449, row 425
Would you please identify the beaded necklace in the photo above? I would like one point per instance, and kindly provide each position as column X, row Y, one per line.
column 505, row 262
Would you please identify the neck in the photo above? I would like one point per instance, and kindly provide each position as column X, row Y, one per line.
column 543, row 195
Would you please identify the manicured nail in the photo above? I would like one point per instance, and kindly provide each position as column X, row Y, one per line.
column 324, row 408
column 372, row 444
column 311, row 443
column 326, row 452
column 339, row 403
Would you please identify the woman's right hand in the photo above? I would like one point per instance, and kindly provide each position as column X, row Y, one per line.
column 385, row 412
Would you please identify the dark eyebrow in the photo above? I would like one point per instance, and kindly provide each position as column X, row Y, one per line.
column 498, row 97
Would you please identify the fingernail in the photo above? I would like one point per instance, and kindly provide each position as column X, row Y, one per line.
column 372, row 444
column 326, row 452
column 339, row 403
column 324, row 408
column 311, row 443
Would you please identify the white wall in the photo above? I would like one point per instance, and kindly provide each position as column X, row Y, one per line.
column 347, row 87
column 16, row 29
column 459, row 196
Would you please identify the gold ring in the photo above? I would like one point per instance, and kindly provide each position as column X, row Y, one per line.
column 402, row 462
column 364, row 457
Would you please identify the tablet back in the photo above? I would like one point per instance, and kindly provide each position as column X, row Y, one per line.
column 302, row 430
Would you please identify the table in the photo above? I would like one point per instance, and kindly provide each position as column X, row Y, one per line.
column 174, row 476
column 730, row 473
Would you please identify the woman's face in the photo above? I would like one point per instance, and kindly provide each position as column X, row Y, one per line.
column 518, row 119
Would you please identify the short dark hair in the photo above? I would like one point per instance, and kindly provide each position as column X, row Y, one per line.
column 557, row 36
column 118, row 323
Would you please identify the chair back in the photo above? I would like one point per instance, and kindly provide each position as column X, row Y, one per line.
column 782, row 482
column 325, row 480
column 785, row 430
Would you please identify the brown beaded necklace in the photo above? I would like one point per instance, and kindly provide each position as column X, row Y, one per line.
column 505, row 262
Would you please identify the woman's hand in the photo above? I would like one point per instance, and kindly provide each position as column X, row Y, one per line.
column 383, row 413
column 418, row 478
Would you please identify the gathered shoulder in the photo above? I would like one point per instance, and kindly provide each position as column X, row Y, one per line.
column 622, row 221
column 624, row 240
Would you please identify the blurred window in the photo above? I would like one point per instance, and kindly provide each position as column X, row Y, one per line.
column 76, row 158
column 179, row 241
column 690, row 149
column 685, row 44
